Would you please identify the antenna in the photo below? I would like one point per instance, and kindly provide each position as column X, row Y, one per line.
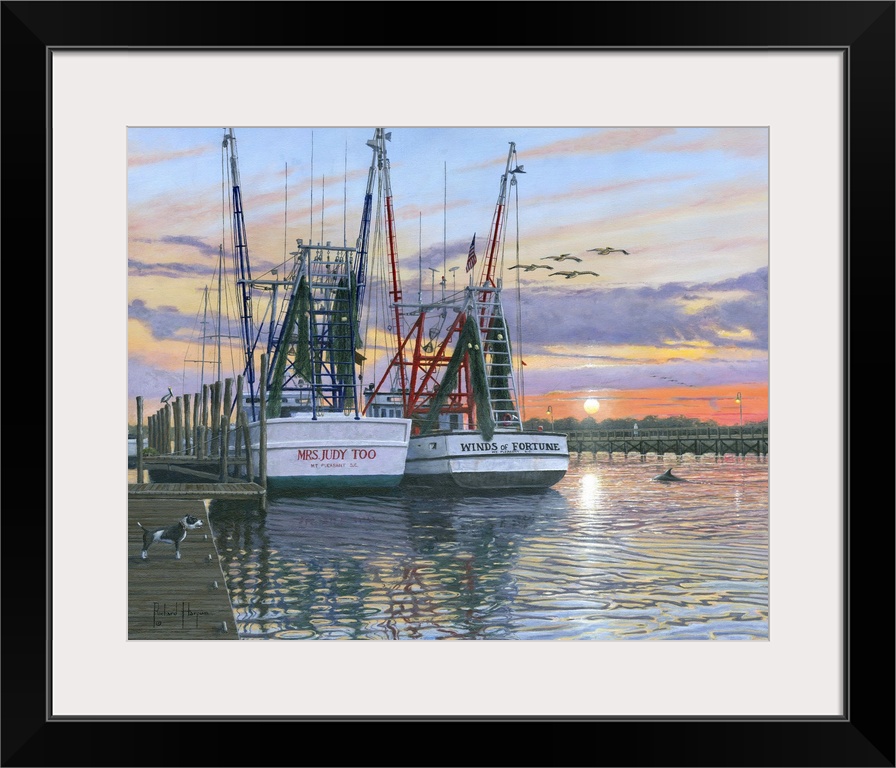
column 454, row 279
column 434, row 271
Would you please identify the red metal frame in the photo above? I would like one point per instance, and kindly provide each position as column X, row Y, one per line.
column 419, row 385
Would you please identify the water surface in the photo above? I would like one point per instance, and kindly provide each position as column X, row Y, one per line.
column 606, row 554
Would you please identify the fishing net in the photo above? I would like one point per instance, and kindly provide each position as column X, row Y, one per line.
column 294, row 327
column 468, row 342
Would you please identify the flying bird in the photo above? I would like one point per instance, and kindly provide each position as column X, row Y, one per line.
column 561, row 257
column 569, row 275
column 605, row 251
column 531, row 267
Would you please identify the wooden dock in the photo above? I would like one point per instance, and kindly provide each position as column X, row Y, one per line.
column 170, row 599
column 200, row 491
column 699, row 441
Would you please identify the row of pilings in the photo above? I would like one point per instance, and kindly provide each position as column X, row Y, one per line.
column 699, row 441
column 205, row 427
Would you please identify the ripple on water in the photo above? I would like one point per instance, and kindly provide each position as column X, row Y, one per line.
column 604, row 555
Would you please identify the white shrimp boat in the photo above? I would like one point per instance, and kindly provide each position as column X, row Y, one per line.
column 452, row 374
column 316, row 436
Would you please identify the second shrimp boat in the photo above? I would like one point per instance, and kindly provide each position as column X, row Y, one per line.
column 452, row 375
column 316, row 436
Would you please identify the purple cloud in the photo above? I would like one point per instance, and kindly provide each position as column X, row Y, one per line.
column 650, row 315
column 158, row 269
column 164, row 322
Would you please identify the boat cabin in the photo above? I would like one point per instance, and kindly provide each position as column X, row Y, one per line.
column 384, row 405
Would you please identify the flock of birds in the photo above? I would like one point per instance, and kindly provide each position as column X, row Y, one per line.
column 672, row 381
column 569, row 274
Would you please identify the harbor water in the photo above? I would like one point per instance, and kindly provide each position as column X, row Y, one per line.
column 606, row 554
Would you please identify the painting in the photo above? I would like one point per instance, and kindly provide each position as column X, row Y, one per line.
column 448, row 383
column 596, row 558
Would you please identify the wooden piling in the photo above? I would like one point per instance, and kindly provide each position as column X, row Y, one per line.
column 205, row 397
column 244, row 433
column 226, row 405
column 139, row 439
column 222, row 450
column 166, row 425
column 215, row 415
column 187, row 432
column 263, row 425
column 227, row 402
column 178, row 426
column 237, row 420
column 196, row 425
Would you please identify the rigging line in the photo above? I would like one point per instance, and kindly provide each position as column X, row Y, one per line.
column 285, row 204
column 220, row 291
column 345, row 196
column 230, row 313
column 323, row 190
column 224, row 193
column 420, row 259
column 311, row 208
column 519, row 315
column 230, row 211
column 197, row 323
column 445, row 224
column 382, row 309
column 377, row 271
column 372, row 314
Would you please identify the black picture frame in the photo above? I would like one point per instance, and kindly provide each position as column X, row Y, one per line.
column 863, row 736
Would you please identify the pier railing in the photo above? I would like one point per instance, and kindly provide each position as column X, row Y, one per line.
column 738, row 440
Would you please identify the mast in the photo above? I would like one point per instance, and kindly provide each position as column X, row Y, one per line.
column 245, row 272
column 461, row 369
column 395, row 293
column 362, row 245
column 202, row 356
column 498, row 222
column 417, row 360
column 218, row 320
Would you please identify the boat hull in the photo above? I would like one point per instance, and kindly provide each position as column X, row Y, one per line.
column 332, row 452
column 510, row 460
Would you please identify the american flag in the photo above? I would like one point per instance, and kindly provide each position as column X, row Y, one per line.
column 471, row 257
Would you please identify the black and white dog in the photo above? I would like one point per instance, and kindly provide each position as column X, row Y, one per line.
column 173, row 534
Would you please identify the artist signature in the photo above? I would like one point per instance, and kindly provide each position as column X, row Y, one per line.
column 178, row 615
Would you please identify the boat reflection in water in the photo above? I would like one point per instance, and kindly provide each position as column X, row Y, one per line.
column 390, row 566
column 606, row 555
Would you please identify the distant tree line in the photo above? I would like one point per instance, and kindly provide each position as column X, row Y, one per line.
column 571, row 424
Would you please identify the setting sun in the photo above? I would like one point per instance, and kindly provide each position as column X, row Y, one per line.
column 592, row 405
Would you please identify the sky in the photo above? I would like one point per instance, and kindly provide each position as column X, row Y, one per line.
column 676, row 327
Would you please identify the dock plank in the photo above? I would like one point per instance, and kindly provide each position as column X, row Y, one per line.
column 170, row 599
column 199, row 491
